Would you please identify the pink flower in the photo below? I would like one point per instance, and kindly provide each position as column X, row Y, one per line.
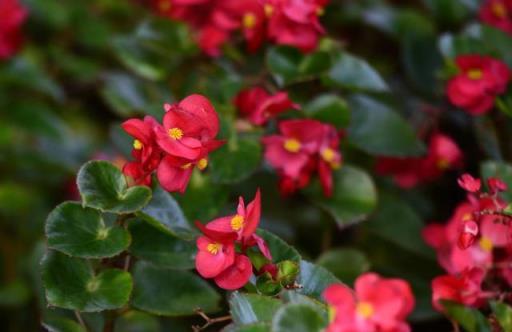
column 12, row 16
column 330, row 158
column 496, row 185
column 480, row 80
column 497, row 13
column 237, row 275
column 377, row 305
column 259, row 106
column 469, row 183
column 464, row 289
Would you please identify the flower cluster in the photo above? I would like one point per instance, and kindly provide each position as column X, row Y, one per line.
column 12, row 16
column 224, row 241
column 474, row 246
column 174, row 148
column 258, row 106
column 377, row 305
column 443, row 154
column 479, row 81
column 303, row 147
column 497, row 13
column 286, row 22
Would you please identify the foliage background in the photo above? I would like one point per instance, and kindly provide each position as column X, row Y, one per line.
column 89, row 64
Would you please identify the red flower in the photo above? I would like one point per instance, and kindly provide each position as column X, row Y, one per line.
column 330, row 158
column 496, row 185
column 295, row 22
column 259, row 106
column 377, row 304
column 480, row 80
column 443, row 153
column 469, row 183
column 237, row 275
column 464, row 289
column 497, row 13
column 12, row 16
column 213, row 256
column 468, row 234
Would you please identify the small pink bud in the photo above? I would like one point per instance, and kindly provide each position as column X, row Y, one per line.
column 469, row 183
column 496, row 185
column 468, row 234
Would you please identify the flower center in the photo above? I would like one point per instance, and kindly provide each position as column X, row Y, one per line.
column 249, row 20
column 485, row 243
column 443, row 164
column 331, row 313
column 475, row 74
column 237, row 222
column 292, row 145
column 137, row 145
column 176, row 133
column 320, row 11
column 164, row 5
column 186, row 166
column 467, row 217
column 214, row 248
column 499, row 10
column 202, row 163
column 269, row 10
column 365, row 309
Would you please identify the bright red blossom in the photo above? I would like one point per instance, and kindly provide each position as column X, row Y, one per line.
column 480, row 80
column 464, row 289
column 497, row 13
column 12, row 16
column 377, row 305
column 469, row 183
column 259, row 106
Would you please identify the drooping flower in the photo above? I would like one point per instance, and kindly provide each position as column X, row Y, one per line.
column 12, row 16
column 464, row 289
column 259, row 106
column 376, row 305
column 497, row 13
column 480, row 80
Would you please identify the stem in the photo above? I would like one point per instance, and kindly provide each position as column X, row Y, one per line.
column 455, row 326
column 110, row 322
column 80, row 319
column 500, row 125
column 209, row 321
column 127, row 261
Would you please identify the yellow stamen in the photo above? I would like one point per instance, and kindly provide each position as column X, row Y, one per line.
column 364, row 309
column 292, row 145
column 164, row 5
column 467, row 217
column 202, row 163
column 331, row 311
column 475, row 74
column 499, row 10
column 186, row 166
column 486, row 244
column 249, row 20
column 443, row 164
column 320, row 11
column 328, row 154
column 137, row 145
column 237, row 222
column 214, row 248
column 175, row 133
column 269, row 10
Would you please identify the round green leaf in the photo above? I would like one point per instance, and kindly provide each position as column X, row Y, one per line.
column 376, row 129
column 256, row 327
column 471, row 319
column 136, row 321
column 164, row 213
column 235, row 161
column 62, row 324
column 354, row 196
column 352, row 72
column 314, row 279
column 280, row 250
column 329, row 108
column 171, row 292
column 71, row 284
column 298, row 318
column 503, row 313
column 252, row 308
column 345, row 264
column 160, row 248
column 103, row 186
column 81, row 232
column 283, row 62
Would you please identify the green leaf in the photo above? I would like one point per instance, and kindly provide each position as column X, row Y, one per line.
column 72, row 284
column 14, row 294
column 354, row 196
column 283, row 62
column 298, row 318
column 280, row 250
column 472, row 320
column 136, row 321
column 345, row 263
column 164, row 213
column 171, row 292
column 329, row 108
column 378, row 130
column 62, row 324
column 354, row 73
column 235, row 161
column 499, row 170
column 252, row 308
column 503, row 313
column 314, row 279
column 103, row 186
column 160, row 248
column 257, row 327
column 81, row 232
